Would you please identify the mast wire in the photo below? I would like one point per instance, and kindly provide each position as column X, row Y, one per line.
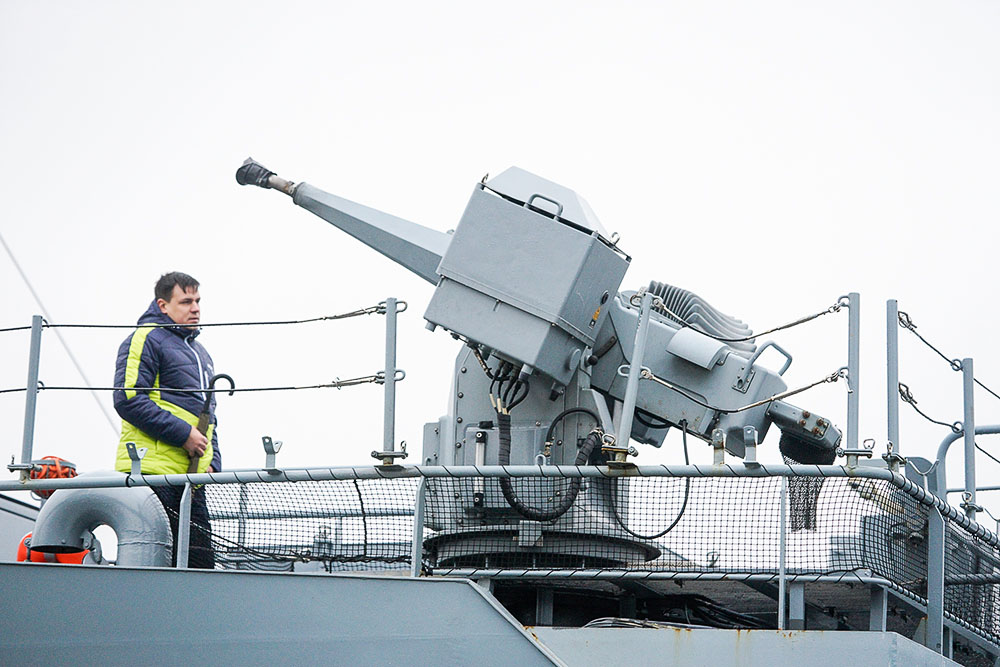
column 62, row 341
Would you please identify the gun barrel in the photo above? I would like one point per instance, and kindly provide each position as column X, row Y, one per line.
column 413, row 246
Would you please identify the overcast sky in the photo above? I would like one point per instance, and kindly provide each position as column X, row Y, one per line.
column 770, row 156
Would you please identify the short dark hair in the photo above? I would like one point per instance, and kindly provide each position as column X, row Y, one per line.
column 165, row 285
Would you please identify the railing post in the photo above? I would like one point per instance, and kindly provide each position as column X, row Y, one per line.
column 853, row 368
column 935, row 580
column 184, row 527
column 417, row 548
column 781, row 553
column 878, row 607
column 635, row 368
column 389, row 420
column 241, row 528
column 969, row 428
column 31, row 395
column 892, row 371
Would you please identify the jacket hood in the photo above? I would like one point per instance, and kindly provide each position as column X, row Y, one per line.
column 154, row 316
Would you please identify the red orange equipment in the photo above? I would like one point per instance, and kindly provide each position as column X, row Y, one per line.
column 26, row 553
column 51, row 467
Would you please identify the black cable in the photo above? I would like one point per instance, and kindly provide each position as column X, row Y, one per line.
column 368, row 379
column 687, row 490
column 512, row 387
column 518, row 400
column 987, row 453
column 565, row 413
column 499, row 377
column 354, row 313
column 582, row 458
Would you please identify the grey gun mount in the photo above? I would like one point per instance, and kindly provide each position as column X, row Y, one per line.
column 530, row 278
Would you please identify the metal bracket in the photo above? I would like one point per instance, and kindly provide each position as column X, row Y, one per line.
column 746, row 376
column 853, row 454
column 389, row 458
column 23, row 467
column 136, row 454
column 967, row 503
column 398, row 376
column 892, row 458
column 93, row 545
column 271, row 448
column 718, row 447
column 619, row 455
column 750, row 443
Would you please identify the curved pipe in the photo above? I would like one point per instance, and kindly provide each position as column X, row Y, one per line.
column 135, row 514
column 942, row 483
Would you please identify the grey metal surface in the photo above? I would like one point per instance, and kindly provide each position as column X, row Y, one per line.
column 892, row 371
column 935, row 580
column 184, row 527
column 389, row 416
column 215, row 617
column 414, row 246
column 31, row 394
column 748, row 648
column 17, row 518
column 635, row 368
column 135, row 514
column 525, row 285
column 940, row 477
column 522, row 186
column 853, row 369
column 969, row 430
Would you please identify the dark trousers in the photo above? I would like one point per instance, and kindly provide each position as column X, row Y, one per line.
column 200, row 553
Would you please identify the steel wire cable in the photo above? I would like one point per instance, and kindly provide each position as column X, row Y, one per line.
column 658, row 303
column 988, row 455
column 62, row 341
column 907, row 397
column 906, row 322
column 377, row 378
column 380, row 309
column 646, row 374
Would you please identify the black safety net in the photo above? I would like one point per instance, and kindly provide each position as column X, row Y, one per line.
column 336, row 525
column 712, row 526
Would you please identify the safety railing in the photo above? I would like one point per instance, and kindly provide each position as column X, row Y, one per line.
column 789, row 525
column 387, row 377
column 442, row 534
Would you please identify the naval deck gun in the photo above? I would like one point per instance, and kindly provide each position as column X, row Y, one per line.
column 549, row 375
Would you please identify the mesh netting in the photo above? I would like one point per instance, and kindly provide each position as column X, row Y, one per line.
column 717, row 525
column 971, row 580
column 335, row 525
column 686, row 525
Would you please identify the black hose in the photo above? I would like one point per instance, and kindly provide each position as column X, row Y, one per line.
column 642, row 417
column 520, row 399
column 687, row 490
column 565, row 413
column 582, row 458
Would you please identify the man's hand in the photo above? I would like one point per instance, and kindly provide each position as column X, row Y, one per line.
column 196, row 443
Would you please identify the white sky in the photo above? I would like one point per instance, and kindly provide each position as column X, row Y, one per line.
column 769, row 156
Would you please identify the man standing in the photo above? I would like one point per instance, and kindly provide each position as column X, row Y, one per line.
column 165, row 421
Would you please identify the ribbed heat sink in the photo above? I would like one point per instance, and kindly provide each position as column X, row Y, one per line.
column 702, row 316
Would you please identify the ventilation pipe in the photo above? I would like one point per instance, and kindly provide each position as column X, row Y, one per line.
column 134, row 513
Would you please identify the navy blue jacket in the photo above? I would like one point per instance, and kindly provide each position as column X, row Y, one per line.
column 161, row 420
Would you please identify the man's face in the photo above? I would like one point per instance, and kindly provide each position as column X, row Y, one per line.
column 184, row 306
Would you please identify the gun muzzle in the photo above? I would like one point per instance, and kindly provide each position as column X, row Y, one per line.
column 252, row 172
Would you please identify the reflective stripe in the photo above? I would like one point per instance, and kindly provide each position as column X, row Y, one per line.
column 134, row 357
column 161, row 458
